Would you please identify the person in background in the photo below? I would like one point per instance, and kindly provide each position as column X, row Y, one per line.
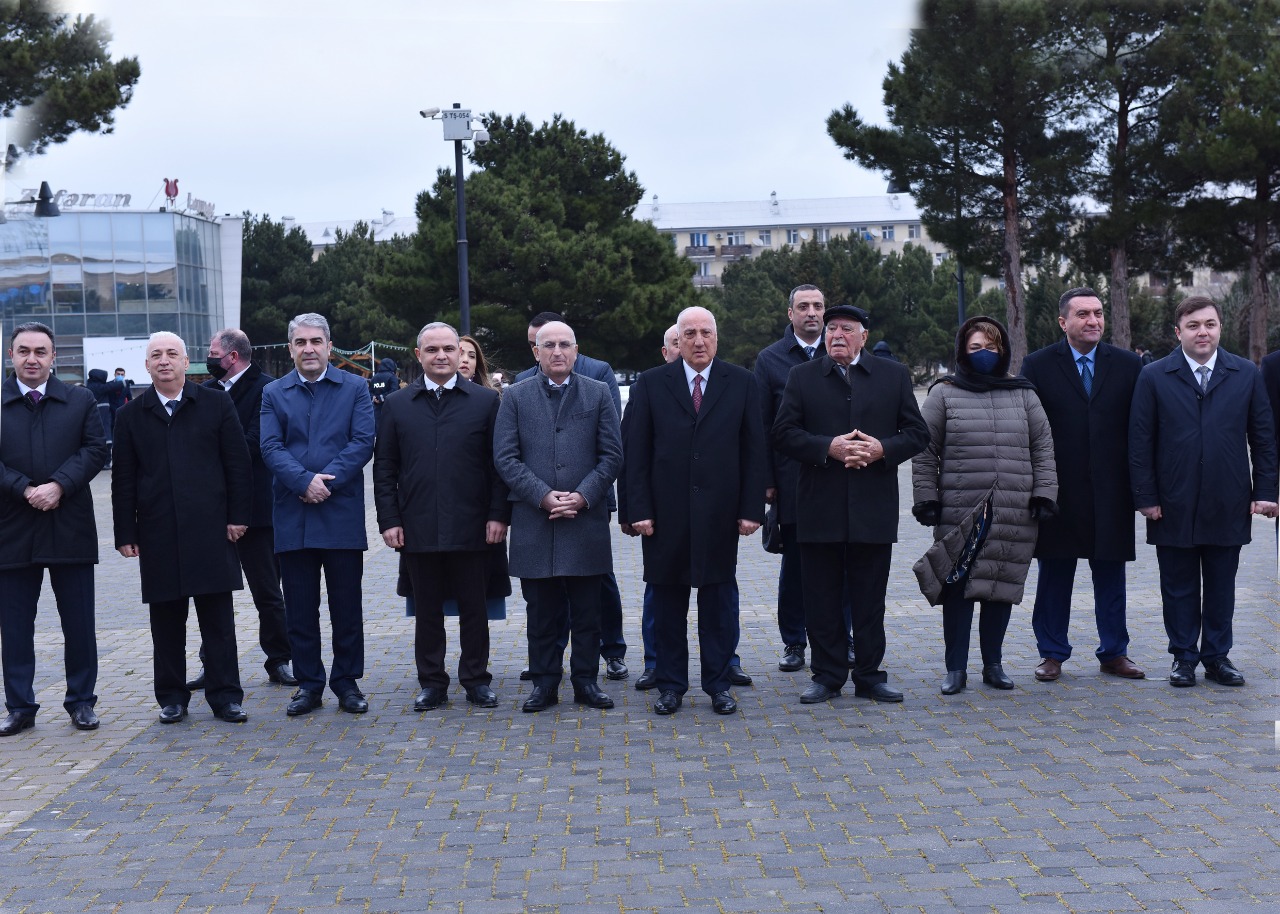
column 473, row 366
column 384, row 382
column 984, row 483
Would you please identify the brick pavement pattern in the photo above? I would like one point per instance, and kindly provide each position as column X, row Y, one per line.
column 1088, row 794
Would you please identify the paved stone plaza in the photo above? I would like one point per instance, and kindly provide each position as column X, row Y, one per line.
column 1089, row 794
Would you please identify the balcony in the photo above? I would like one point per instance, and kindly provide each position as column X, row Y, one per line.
column 705, row 282
column 731, row 252
column 700, row 251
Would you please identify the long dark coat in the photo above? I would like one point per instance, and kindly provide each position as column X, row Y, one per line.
column 773, row 367
column 1091, row 451
column 694, row 474
column 433, row 470
column 62, row 441
column 567, row 444
column 1190, row 452
column 838, row 505
column 176, row 483
column 246, row 394
column 1271, row 380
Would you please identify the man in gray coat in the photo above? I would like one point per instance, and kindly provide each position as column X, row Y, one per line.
column 558, row 448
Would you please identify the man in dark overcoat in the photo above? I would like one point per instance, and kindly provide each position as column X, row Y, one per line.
column 558, row 447
column 51, row 448
column 182, row 494
column 231, row 368
column 1086, row 388
column 1202, row 462
column 695, row 480
column 316, row 436
column 849, row 419
column 801, row 341
column 441, row 503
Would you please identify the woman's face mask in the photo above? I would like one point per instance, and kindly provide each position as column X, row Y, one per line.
column 984, row 361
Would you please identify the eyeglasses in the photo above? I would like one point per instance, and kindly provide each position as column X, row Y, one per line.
column 552, row 346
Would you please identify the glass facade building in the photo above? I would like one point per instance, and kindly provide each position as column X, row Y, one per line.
column 113, row 274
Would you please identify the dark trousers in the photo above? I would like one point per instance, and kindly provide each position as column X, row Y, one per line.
column 1198, row 622
column 1052, row 612
column 555, row 603
column 300, row 578
column 791, row 625
column 464, row 576
column 826, row 567
column 957, row 624
column 646, row 629
column 613, row 646
column 257, row 553
column 19, row 595
column 216, row 614
column 718, row 631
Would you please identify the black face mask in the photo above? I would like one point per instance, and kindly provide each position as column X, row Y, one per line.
column 215, row 369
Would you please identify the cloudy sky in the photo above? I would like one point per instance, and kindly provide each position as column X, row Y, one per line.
column 310, row 109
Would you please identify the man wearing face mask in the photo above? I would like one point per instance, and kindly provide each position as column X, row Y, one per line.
column 231, row 369
column 849, row 420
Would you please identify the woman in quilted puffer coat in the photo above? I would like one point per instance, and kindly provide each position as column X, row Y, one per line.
column 984, row 482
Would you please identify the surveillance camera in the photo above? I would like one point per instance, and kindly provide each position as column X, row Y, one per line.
column 429, row 112
column 481, row 137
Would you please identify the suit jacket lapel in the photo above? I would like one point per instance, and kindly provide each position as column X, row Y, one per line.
column 1067, row 363
column 679, row 387
column 721, row 380
column 1219, row 374
column 1101, row 366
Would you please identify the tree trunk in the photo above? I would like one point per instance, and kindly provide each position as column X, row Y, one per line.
column 1259, row 288
column 1017, row 318
column 1120, row 329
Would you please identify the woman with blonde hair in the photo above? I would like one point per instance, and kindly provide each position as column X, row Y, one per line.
column 472, row 364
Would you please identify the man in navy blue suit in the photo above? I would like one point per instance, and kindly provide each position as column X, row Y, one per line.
column 1086, row 387
column 1200, row 421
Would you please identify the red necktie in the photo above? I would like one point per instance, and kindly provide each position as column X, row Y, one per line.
column 697, row 392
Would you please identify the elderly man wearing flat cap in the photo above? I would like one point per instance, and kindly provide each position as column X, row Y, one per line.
column 849, row 420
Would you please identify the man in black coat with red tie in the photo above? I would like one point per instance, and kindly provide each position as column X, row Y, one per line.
column 231, row 369
column 849, row 419
column 695, row 479
column 1086, row 388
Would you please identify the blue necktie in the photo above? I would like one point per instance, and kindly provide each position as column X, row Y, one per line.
column 1086, row 376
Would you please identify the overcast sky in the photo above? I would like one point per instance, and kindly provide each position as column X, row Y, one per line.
column 310, row 109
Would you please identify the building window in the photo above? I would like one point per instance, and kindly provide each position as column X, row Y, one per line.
column 886, row 233
column 793, row 236
column 698, row 239
column 766, row 238
column 702, row 268
column 822, row 234
column 913, row 231
column 675, row 240
column 863, row 233
column 937, row 258
column 736, row 238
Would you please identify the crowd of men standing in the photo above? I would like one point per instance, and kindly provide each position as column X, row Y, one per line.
column 253, row 478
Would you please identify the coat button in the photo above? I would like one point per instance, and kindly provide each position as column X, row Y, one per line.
column 695, row 490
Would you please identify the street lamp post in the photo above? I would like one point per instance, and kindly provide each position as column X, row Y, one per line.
column 458, row 129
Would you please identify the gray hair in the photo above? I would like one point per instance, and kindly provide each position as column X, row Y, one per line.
column 166, row 335
column 235, row 340
column 437, row 325
column 309, row 320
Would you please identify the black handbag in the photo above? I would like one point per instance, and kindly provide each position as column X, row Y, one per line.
column 771, row 532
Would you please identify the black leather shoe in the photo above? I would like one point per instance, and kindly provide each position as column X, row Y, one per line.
column 526, row 675
column 615, row 669
column 1183, row 674
column 592, row 697
column 881, row 691
column 84, row 718
column 429, row 699
column 792, row 658
column 668, row 702
column 1223, row 672
column 539, row 700
column 648, row 679
column 16, row 722
column 171, row 714
column 994, row 675
column 353, row 703
column 723, row 703
column 955, row 681
column 196, row 684
column 738, row 677
column 304, row 701
column 232, row 714
column 816, row 693
column 282, row 674
column 481, row 696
